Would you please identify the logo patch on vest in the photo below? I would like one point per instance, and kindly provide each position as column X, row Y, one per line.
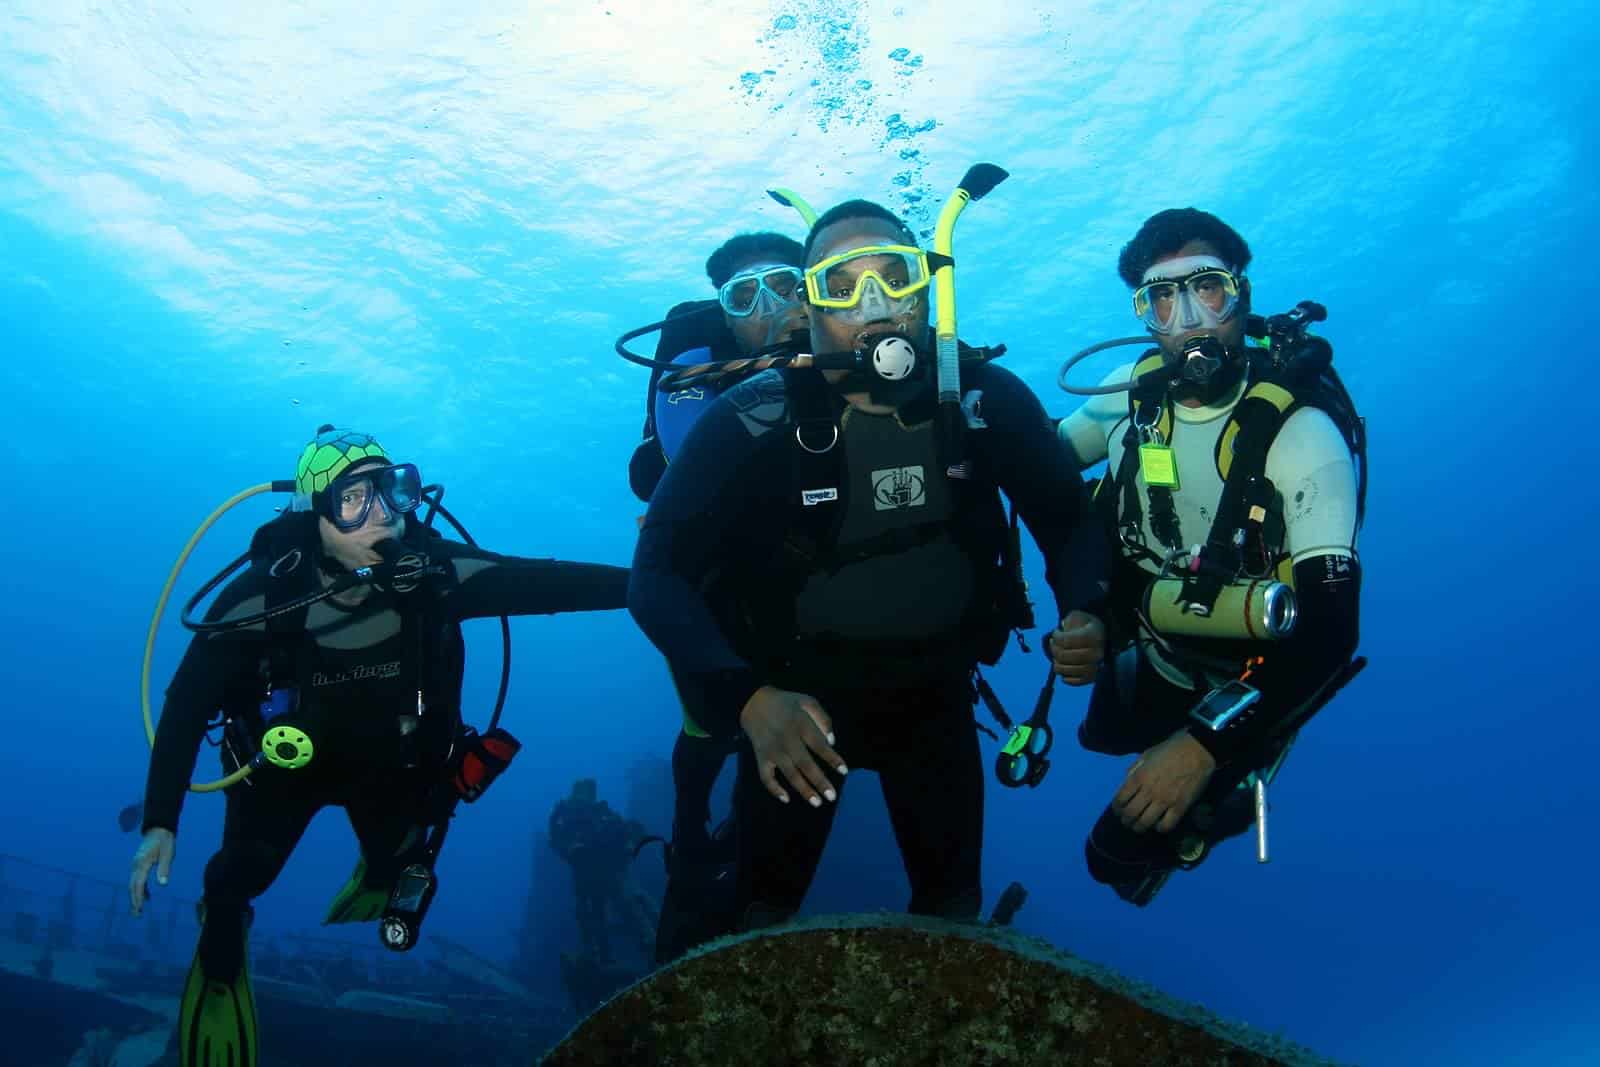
column 812, row 497
column 899, row 487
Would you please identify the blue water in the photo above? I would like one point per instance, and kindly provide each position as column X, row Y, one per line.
column 221, row 229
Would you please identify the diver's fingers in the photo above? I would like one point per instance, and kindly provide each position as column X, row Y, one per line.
column 813, row 707
column 769, row 779
column 1169, row 821
column 136, row 880
column 789, row 767
column 1071, row 653
column 1152, row 814
column 1132, row 813
column 164, row 859
column 1130, row 789
column 1079, row 674
column 819, row 737
column 810, row 779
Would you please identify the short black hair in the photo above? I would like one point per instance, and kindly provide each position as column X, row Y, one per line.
column 857, row 209
column 746, row 246
column 1167, row 231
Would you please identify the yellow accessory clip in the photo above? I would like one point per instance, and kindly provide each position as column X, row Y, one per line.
column 1159, row 465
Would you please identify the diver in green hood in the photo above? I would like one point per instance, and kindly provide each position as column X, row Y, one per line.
column 335, row 662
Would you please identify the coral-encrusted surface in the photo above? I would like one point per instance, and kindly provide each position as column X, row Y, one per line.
column 884, row 989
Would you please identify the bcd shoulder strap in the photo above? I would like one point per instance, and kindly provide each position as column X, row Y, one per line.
column 289, row 573
column 1149, row 422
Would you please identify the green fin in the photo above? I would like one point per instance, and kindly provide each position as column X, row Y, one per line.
column 358, row 902
column 217, row 1020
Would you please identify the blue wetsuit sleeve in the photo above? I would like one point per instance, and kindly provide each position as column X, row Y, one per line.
column 1025, row 457
column 715, row 503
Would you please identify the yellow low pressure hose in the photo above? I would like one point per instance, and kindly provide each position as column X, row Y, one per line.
column 155, row 623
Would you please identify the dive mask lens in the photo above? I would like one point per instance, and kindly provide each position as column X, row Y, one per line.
column 401, row 487
column 350, row 496
column 839, row 282
column 1196, row 292
column 740, row 295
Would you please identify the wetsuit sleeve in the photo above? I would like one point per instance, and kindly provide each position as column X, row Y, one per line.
column 712, row 506
column 1084, row 433
column 489, row 584
column 214, row 668
column 1328, row 589
column 1027, row 460
column 1315, row 475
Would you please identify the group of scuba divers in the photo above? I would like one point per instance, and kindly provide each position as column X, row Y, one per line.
column 826, row 562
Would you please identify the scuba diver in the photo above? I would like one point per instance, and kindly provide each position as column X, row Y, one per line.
column 1233, row 495
column 823, row 564
column 757, row 278
column 336, row 661
column 599, row 845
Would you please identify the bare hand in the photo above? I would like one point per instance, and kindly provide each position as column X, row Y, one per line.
column 1163, row 784
column 1077, row 646
column 156, row 850
column 787, row 730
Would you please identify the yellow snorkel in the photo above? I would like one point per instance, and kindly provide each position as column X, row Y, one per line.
column 980, row 179
column 790, row 198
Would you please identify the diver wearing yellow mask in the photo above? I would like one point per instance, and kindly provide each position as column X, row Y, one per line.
column 823, row 569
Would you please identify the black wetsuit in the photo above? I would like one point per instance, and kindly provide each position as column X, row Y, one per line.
column 877, row 640
column 358, row 670
column 697, row 759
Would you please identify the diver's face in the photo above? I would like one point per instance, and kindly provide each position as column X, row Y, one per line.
column 767, row 324
column 353, row 548
column 829, row 333
column 1231, row 332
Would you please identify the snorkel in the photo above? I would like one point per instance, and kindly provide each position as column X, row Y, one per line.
column 978, row 182
column 790, row 198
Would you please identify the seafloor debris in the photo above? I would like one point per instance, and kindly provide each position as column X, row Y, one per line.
column 887, row 989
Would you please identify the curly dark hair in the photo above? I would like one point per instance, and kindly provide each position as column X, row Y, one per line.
column 747, row 246
column 857, row 209
column 1167, row 231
